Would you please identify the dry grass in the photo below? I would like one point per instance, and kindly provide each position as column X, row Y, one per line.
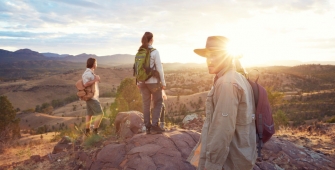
column 68, row 110
column 16, row 152
column 318, row 140
column 28, row 94
column 35, row 120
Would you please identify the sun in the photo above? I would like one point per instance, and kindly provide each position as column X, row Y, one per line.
column 234, row 49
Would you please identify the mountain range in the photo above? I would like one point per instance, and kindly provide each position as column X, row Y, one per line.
column 8, row 57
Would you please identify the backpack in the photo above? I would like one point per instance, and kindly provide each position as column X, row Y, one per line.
column 142, row 70
column 85, row 93
column 264, row 121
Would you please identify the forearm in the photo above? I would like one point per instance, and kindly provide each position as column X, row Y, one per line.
column 90, row 83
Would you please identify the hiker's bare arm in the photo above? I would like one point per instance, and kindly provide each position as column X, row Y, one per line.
column 223, row 124
column 90, row 83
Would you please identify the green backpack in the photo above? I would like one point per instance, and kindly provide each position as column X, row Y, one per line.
column 142, row 70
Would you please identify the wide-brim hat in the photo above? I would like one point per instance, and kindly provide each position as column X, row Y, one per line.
column 214, row 43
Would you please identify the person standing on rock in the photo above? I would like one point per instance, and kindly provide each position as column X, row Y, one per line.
column 93, row 105
column 152, row 87
column 228, row 138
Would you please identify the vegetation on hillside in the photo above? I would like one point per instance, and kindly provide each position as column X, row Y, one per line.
column 9, row 125
column 127, row 98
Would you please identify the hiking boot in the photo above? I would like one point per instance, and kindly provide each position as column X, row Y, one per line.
column 155, row 129
column 87, row 132
column 162, row 125
column 147, row 131
column 95, row 131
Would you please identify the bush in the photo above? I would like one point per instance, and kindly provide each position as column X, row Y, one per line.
column 128, row 97
column 331, row 120
column 280, row 119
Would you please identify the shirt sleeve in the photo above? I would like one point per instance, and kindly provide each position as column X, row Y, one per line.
column 87, row 76
column 221, row 131
column 159, row 67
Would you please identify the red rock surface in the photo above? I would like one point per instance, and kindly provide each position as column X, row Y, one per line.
column 127, row 124
column 162, row 151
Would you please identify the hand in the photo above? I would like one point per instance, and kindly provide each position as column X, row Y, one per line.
column 97, row 78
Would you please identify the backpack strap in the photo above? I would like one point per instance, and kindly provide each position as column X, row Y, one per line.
column 151, row 50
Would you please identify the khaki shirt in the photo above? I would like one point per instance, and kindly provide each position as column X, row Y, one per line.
column 228, row 138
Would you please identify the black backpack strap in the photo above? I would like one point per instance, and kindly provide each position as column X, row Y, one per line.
column 259, row 135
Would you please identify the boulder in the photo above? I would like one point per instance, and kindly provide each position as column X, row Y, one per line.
column 35, row 158
column 128, row 124
column 63, row 145
column 193, row 122
column 190, row 117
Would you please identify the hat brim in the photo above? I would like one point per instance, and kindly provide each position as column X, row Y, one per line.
column 204, row 52
column 201, row 52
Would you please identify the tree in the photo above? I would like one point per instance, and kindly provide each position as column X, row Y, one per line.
column 74, row 107
column 128, row 97
column 280, row 119
column 200, row 101
column 9, row 124
column 274, row 97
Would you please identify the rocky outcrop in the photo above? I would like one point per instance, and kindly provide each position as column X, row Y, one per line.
column 193, row 123
column 63, row 145
column 189, row 118
column 170, row 150
column 282, row 154
column 162, row 151
column 127, row 124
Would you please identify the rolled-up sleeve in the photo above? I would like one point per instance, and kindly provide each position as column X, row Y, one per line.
column 159, row 67
column 220, row 133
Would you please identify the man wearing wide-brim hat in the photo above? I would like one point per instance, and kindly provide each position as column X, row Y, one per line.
column 228, row 137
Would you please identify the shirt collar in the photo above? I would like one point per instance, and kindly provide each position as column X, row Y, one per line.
column 88, row 69
column 224, row 70
column 149, row 46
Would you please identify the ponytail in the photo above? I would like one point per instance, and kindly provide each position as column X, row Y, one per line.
column 145, row 40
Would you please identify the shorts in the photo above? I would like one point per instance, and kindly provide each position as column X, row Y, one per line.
column 93, row 107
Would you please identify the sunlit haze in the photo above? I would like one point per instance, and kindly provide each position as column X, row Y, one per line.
column 260, row 30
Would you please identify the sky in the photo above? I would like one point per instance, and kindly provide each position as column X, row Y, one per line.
column 263, row 30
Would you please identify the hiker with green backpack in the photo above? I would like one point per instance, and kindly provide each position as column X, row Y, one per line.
column 149, row 75
column 228, row 136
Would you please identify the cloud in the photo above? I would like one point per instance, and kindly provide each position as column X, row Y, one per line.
column 107, row 27
column 320, row 43
column 80, row 3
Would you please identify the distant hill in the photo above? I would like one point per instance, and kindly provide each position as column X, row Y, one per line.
column 296, row 63
column 110, row 60
column 120, row 59
column 54, row 55
column 20, row 55
column 10, row 57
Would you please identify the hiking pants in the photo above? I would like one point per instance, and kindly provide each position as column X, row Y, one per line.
column 155, row 90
